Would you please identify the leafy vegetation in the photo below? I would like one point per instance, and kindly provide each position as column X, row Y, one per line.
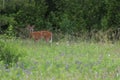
column 10, row 53
column 85, row 46
column 65, row 15
column 65, row 60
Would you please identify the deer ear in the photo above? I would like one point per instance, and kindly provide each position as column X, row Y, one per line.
column 28, row 26
column 33, row 26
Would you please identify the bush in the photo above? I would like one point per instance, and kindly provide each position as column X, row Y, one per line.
column 9, row 33
column 10, row 53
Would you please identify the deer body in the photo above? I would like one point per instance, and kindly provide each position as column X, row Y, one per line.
column 37, row 35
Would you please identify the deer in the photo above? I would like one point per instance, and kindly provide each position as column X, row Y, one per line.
column 37, row 35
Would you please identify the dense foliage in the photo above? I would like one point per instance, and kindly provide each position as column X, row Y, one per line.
column 62, row 61
column 67, row 16
column 10, row 53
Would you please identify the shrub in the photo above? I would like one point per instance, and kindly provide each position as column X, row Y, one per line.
column 10, row 32
column 9, row 53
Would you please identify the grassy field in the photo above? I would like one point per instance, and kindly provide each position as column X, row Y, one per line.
column 64, row 61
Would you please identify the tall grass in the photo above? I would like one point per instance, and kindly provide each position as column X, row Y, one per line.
column 65, row 60
column 10, row 52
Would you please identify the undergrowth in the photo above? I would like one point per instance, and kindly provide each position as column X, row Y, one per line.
column 63, row 60
column 10, row 53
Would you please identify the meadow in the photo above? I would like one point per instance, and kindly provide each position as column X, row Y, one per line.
column 63, row 60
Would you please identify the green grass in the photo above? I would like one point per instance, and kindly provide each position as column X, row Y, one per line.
column 65, row 61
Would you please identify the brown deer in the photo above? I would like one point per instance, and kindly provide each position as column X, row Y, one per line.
column 37, row 35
